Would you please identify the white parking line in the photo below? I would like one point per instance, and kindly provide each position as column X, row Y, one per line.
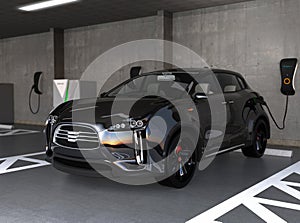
column 6, row 166
column 249, row 199
column 16, row 132
column 276, row 152
column 2, row 126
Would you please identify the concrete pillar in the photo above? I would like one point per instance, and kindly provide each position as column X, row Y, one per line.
column 164, row 31
column 58, row 44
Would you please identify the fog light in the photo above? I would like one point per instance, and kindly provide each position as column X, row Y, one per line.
column 128, row 124
column 52, row 119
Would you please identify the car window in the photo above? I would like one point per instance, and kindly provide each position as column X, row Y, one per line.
column 228, row 82
column 206, row 83
column 171, row 85
column 241, row 82
column 131, row 87
column 162, row 85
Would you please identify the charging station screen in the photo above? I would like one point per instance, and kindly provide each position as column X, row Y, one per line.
column 288, row 68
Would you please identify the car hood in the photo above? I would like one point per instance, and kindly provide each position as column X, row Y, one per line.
column 102, row 110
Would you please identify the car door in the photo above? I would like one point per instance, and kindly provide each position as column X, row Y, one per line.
column 234, row 94
column 212, row 105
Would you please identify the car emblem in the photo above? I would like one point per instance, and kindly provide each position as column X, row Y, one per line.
column 73, row 136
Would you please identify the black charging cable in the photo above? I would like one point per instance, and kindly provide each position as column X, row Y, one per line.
column 285, row 113
column 38, row 105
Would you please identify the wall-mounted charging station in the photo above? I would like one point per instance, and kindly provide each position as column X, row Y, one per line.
column 36, row 88
column 288, row 69
column 65, row 90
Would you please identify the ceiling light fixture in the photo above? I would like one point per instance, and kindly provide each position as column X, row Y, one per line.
column 45, row 4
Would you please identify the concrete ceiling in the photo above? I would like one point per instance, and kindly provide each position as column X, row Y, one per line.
column 88, row 12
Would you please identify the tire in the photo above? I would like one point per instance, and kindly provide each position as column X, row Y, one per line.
column 259, row 141
column 182, row 172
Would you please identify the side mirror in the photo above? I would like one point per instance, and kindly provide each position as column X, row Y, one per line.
column 103, row 94
column 135, row 71
column 200, row 96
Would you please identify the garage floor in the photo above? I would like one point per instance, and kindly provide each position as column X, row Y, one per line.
column 43, row 194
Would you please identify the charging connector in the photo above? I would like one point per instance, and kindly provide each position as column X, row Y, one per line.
column 285, row 113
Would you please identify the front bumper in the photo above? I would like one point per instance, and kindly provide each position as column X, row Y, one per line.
column 115, row 154
column 100, row 162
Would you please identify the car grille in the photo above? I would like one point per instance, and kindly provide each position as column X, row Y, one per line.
column 76, row 137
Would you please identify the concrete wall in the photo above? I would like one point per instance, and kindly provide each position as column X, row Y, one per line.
column 22, row 56
column 247, row 37
column 19, row 58
column 250, row 38
column 84, row 45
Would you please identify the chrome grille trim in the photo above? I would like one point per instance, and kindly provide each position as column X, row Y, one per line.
column 69, row 138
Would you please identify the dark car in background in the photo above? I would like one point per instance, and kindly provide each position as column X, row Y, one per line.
column 115, row 141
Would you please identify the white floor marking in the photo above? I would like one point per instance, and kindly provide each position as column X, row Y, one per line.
column 10, row 161
column 255, row 204
column 276, row 152
column 279, row 152
column 292, row 184
column 275, row 203
column 16, row 132
column 2, row 126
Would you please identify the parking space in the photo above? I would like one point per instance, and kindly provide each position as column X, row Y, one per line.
column 43, row 194
column 140, row 92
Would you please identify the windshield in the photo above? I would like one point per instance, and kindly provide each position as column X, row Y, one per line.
column 153, row 85
column 166, row 85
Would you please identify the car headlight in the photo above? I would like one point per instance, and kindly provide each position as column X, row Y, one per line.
column 52, row 119
column 130, row 124
column 136, row 124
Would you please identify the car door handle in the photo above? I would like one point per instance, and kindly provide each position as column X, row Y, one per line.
column 229, row 102
column 201, row 97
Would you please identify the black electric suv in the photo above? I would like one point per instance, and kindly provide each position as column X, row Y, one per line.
column 157, row 134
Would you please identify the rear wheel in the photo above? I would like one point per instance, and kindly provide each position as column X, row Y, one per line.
column 259, row 141
column 181, row 163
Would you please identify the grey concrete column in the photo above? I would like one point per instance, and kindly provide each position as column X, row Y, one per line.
column 58, row 44
column 7, row 102
column 164, row 31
